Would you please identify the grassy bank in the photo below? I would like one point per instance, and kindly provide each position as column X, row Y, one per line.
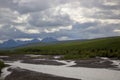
column 103, row 47
column 1, row 65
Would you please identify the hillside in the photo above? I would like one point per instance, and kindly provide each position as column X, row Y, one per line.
column 105, row 47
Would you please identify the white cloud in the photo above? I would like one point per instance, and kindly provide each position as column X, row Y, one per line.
column 91, row 28
column 24, row 39
column 1, row 41
column 63, row 38
column 110, row 3
column 81, row 14
column 28, row 30
column 22, row 18
column 57, row 29
column 32, row 31
column 1, row 26
column 116, row 30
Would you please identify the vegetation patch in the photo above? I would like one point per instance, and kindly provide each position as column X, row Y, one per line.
column 102, row 47
column 1, row 65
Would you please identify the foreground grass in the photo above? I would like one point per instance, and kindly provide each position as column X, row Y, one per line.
column 104, row 47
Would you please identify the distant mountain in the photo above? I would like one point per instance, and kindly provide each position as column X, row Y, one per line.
column 34, row 41
column 49, row 40
column 12, row 43
column 9, row 43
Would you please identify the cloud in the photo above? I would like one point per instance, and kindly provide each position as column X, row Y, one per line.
column 28, row 31
column 28, row 6
column 52, row 30
column 21, row 19
column 24, row 39
column 63, row 38
column 117, row 30
column 48, row 19
column 62, row 19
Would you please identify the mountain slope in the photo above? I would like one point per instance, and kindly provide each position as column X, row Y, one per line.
column 102, row 47
column 105, row 47
column 111, row 42
column 49, row 40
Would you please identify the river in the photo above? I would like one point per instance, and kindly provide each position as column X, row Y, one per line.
column 70, row 72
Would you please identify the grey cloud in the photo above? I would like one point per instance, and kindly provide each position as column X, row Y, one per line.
column 30, row 6
column 107, row 8
column 7, row 4
column 50, row 20
column 8, row 32
column 107, row 15
column 6, row 16
column 34, row 6
column 26, row 6
column 85, row 25
column 100, row 4
column 104, row 30
column 43, row 14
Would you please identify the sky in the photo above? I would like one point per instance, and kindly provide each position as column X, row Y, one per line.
column 61, row 19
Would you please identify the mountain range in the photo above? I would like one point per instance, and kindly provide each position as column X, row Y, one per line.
column 15, row 43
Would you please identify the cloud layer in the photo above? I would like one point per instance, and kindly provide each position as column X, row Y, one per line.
column 62, row 19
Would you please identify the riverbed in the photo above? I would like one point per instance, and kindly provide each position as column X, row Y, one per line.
column 68, row 68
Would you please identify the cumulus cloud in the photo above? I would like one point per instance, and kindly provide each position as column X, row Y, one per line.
column 62, row 19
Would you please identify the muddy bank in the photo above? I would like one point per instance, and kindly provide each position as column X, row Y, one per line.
column 94, row 63
column 43, row 62
column 33, row 59
column 16, row 57
column 21, row 74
